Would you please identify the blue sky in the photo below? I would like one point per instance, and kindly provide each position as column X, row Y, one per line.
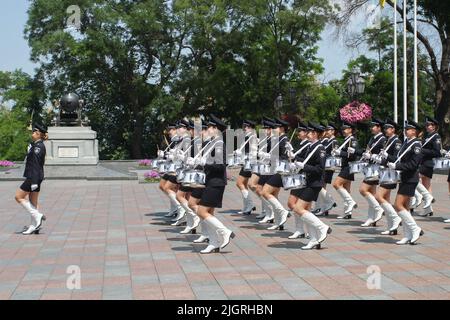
column 14, row 51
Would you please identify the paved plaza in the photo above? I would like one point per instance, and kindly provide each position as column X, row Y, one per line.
column 115, row 233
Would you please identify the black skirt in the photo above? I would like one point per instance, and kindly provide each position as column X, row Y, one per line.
column 448, row 178
column 388, row 186
column 170, row 178
column 426, row 171
column 407, row 189
column 197, row 193
column 186, row 189
column 245, row 174
column 212, row 197
column 26, row 186
column 263, row 180
column 275, row 181
column 307, row 194
column 345, row 174
column 328, row 176
column 371, row 183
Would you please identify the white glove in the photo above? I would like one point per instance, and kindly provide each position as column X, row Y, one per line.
column 448, row 154
column 384, row 154
column 160, row 154
column 34, row 187
column 292, row 167
column 443, row 152
column 171, row 157
column 299, row 165
column 238, row 153
column 190, row 162
column 391, row 165
column 377, row 158
column 201, row 161
column 350, row 150
column 263, row 155
column 335, row 153
column 374, row 157
column 366, row 156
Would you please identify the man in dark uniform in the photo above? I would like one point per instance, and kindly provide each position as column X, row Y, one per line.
column 34, row 175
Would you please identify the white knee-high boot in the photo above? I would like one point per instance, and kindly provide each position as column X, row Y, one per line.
column 173, row 198
column 192, row 220
column 427, row 196
column 392, row 218
column 203, row 230
column 36, row 217
column 281, row 213
column 375, row 211
column 410, row 227
column 222, row 233
column 299, row 228
column 349, row 203
column 317, row 229
column 269, row 213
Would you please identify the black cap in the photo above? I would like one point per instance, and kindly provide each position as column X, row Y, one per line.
column 301, row 126
column 215, row 121
column 315, row 127
column 40, row 127
column 182, row 123
column 331, row 126
column 191, row 124
column 409, row 124
column 389, row 123
column 376, row 122
column 346, row 125
column 267, row 123
column 431, row 120
column 171, row 125
column 280, row 123
column 249, row 123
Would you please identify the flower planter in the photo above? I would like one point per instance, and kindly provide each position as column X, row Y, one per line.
column 147, row 176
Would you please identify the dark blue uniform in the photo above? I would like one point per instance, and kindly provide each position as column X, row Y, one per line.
column 34, row 166
column 431, row 148
column 347, row 157
column 409, row 167
column 391, row 146
column 275, row 180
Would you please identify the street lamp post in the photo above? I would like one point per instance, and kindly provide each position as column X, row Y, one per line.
column 355, row 84
column 279, row 103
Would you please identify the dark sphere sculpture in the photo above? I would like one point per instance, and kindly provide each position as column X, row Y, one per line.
column 70, row 102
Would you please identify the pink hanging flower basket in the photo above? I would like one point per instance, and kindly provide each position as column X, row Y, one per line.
column 355, row 112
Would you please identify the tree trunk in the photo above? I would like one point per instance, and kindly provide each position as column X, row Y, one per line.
column 138, row 129
column 443, row 112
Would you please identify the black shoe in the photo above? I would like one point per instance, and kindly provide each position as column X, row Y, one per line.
column 426, row 214
column 270, row 221
column 281, row 228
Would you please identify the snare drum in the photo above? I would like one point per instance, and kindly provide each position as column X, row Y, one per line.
column 194, row 179
column 283, row 168
column 156, row 163
column 172, row 168
column 265, row 169
column 180, row 175
column 255, row 168
column 371, row 172
column 442, row 163
column 389, row 176
column 234, row 161
column 247, row 165
column 333, row 163
column 357, row 166
column 294, row 181
column 162, row 167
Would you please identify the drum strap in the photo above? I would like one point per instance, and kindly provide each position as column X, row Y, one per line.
column 281, row 140
column 332, row 140
column 311, row 154
column 376, row 143
column 407, row 149
column 345, row 143
column 429, row 139
column 302, row 148
column 245, row 143
column 390, row 144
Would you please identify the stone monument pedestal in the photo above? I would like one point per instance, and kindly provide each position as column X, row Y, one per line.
column 71, row 145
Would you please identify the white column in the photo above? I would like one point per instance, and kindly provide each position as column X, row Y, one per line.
column 416, row 94
column 395, row 65
column 405, row 66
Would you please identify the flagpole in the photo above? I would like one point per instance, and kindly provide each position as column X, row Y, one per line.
column 405, row 66
column 395, row 65
column 416, row 93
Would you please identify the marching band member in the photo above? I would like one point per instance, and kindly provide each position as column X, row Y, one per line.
column 186, row 130
column 368, row 189
column 299, row 155
column 244, row 176
column 389, row 154
column 431, row 148
column 268, row 125
column 348, row 151
column 198, row 144
column 313, row 167
column 271, row 188
column 168, row 183
column 325, row 200
column 214, row 165
column 447, row 155
column 34, row 175
column 407, row 161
